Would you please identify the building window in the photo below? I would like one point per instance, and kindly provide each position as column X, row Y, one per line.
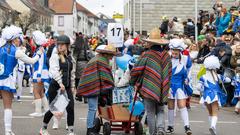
column 60, row 20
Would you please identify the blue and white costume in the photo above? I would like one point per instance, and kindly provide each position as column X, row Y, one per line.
column 8, row 62
column 209, row 84
column 236, row 83
column 41, row 69
column 180, row 72
column 211, row 90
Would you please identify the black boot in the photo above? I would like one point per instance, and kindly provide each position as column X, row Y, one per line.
column 92, row 131
column 85, row 100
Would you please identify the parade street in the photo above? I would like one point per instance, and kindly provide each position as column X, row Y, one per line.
column 23, row 124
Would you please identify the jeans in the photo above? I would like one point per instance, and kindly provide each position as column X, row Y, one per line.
column 155, row 115
column 92, row 109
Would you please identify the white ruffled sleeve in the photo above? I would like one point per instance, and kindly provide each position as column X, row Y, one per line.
column 23, row 57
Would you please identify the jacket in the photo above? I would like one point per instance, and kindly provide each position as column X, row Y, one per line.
column 222, row 23
column 55, row 71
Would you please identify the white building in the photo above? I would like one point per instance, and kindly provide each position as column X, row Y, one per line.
column 87, row 21
column 65, row 18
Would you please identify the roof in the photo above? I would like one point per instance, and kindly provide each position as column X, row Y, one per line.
column 109, row 20
column 4, row 4
column 61, row 6
column 34, row 5
column 85, row 10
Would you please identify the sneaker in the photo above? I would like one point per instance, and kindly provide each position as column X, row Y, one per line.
column 19, row 99
column 66, row 126
column 9, row 133
column 44, row 132
column 237, row 111
column 36, row 114
column 170, row 130
column 213, row 131
column 160, row 131
column 70, row 133
column 188, row 131
column 55, row 126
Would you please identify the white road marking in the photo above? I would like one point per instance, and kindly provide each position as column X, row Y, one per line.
column 23, row 117
column 227, row 122
column 27, row 97
column 192, row 121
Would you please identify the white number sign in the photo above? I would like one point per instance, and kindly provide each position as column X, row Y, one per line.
column 115, row 34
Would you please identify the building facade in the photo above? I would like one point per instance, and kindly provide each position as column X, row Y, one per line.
column 31, row 15
column 143, row 15
column 5, row 14
column 65, row 17
column 87, row 21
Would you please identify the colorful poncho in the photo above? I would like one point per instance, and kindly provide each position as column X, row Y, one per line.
column 152, row 75
column 96, row 78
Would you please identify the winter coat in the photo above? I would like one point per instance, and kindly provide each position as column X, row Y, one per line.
column 189, row 30
column 57, row 73
column 164, row 27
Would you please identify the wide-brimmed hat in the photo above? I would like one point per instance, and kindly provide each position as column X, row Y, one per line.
column 155, row 38
column 108, row 49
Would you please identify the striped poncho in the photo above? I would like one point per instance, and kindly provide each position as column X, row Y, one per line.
column 96, row 78
column 152, row 75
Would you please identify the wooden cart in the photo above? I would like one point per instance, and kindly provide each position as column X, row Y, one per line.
column 118, row 119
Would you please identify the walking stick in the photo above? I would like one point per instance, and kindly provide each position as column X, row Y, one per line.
column 132, row 109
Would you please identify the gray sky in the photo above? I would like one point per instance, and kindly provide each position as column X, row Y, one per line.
column 108, row 8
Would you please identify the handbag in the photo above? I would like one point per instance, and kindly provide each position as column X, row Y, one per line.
column 59, row 104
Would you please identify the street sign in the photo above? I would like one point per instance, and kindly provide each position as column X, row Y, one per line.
column 115, row 34
column 118, row 16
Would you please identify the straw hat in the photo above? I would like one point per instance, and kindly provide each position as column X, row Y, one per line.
column 108, row 49
column 155, row 38
column 235, row 13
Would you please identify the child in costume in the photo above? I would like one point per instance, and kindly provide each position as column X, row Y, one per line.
column 212, row 94
column 236, row 84
column 180, row 69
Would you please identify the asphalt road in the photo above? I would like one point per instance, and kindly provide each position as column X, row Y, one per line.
column 229, row 123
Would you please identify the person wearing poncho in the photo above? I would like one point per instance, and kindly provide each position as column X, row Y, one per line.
column 97, row 81
column 151, row 77
column 212, row 94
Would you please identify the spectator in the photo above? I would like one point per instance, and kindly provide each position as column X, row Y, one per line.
column 236, row 25
column 164, row 25
column 189, row 30
column 204, row 49
column 222, row 22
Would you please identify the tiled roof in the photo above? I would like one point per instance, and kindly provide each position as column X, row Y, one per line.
column 4, row 4
column 85, row 10
column 34, row 5
column 61, row 6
